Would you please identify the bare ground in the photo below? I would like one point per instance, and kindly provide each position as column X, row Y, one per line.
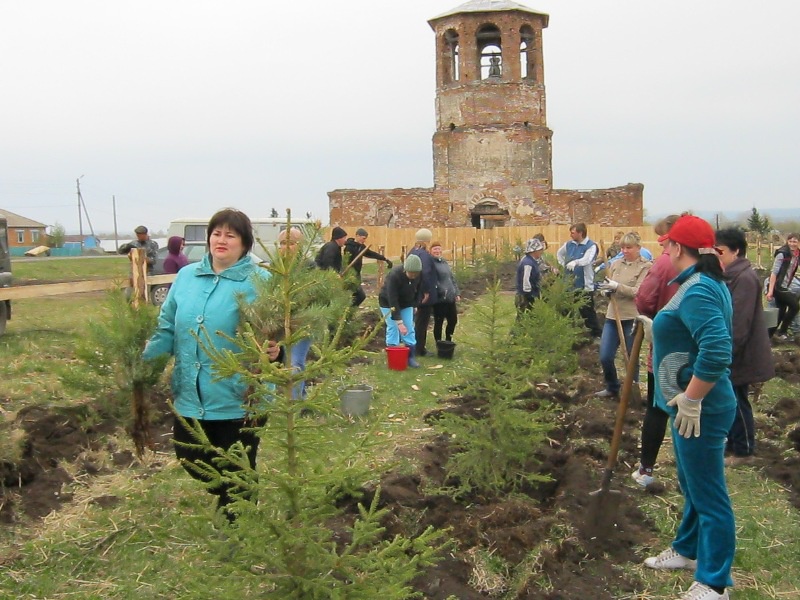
column 509, row 527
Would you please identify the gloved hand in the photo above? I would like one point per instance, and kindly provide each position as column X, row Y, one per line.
column 388, row 264
column 570, row 266
column 610, row 285
column 647, row 323
column 687, row 421
column 606, row 293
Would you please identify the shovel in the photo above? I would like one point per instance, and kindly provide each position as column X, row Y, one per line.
column 602, row 508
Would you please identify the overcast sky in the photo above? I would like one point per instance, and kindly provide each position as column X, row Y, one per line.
column 180, row 107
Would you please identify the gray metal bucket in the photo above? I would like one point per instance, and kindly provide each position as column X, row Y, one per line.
column 771, row 317
column 354, row 400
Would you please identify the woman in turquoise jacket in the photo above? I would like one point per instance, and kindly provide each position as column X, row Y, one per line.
column 203, row 301
column 692, row 343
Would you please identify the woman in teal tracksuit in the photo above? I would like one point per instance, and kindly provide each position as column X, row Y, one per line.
column 204, row 301
column 691, row 354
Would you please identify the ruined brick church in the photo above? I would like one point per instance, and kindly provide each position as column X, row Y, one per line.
column 492, row 149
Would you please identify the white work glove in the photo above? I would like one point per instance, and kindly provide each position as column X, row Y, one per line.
column 609, row 285
column 570, row 266
column 647, row 323
column 687, row 421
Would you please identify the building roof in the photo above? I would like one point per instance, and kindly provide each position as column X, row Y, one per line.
column 489, row 6
column 15, row 220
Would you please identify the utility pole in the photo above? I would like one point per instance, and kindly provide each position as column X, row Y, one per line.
column 80, row 214
column 116, row 237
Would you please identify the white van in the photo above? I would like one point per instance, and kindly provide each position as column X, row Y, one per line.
column 265, row 229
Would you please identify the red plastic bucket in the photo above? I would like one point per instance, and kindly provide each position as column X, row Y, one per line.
column 397, row 357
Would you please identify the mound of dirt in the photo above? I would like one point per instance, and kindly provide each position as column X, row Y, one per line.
column 34, row 487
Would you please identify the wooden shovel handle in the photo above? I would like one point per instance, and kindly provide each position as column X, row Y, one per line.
column 620, row 331
column 624, row 398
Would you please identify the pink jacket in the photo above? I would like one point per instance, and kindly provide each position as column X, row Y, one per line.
column 656, row 291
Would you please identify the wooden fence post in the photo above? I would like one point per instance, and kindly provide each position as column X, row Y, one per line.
column 139, row 286
column 474, row 250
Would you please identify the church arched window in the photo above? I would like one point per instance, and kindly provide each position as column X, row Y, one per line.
column 527, row 53
column 489, row 45
column 452, row 49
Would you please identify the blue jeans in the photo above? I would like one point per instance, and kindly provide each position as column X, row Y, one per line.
column 609, row 343
column 299, row 355
column 392, row 331
column 707, row 531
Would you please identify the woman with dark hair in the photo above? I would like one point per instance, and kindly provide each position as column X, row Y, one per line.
column 752, row 355
column 783, row 271
column 202, row 304
column 691, row 353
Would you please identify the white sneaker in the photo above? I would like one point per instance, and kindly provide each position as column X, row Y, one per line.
column 669, row 559
column 643, row 479
column 700, row 591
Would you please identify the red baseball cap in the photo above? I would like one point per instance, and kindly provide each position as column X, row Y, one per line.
column 692, row 232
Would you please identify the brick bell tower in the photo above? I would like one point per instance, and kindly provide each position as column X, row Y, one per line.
column 492, row 148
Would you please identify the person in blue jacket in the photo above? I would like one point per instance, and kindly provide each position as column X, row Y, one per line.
column 692, row 344
column 203, row 304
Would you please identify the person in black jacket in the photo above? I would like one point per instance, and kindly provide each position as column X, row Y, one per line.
column 428, row 284
column 400, row 294
column 330, row 255
column 352, row 248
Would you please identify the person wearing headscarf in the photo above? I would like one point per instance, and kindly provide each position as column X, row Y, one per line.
column 529, row 276
column 175, row 259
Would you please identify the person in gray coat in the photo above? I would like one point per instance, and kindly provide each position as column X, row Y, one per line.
column 448, row 294
column 752, row 353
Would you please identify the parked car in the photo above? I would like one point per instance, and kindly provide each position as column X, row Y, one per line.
column 194, row 252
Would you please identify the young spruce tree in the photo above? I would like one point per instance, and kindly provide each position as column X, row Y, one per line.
column 288, row 507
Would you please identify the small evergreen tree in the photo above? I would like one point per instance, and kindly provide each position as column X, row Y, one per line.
column 758, row 223
column 289, row 532
column 495, row 452
column 113, row 349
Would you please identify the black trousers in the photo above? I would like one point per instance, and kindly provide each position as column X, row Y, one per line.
column 788, row 307
column 444, row 311
column 359, row 295
column 654, row 427
column 221, row 434
column 742, row 436
column 589, row 313
column 421, row 321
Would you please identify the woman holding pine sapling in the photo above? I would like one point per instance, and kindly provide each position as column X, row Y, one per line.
column 202, row 308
